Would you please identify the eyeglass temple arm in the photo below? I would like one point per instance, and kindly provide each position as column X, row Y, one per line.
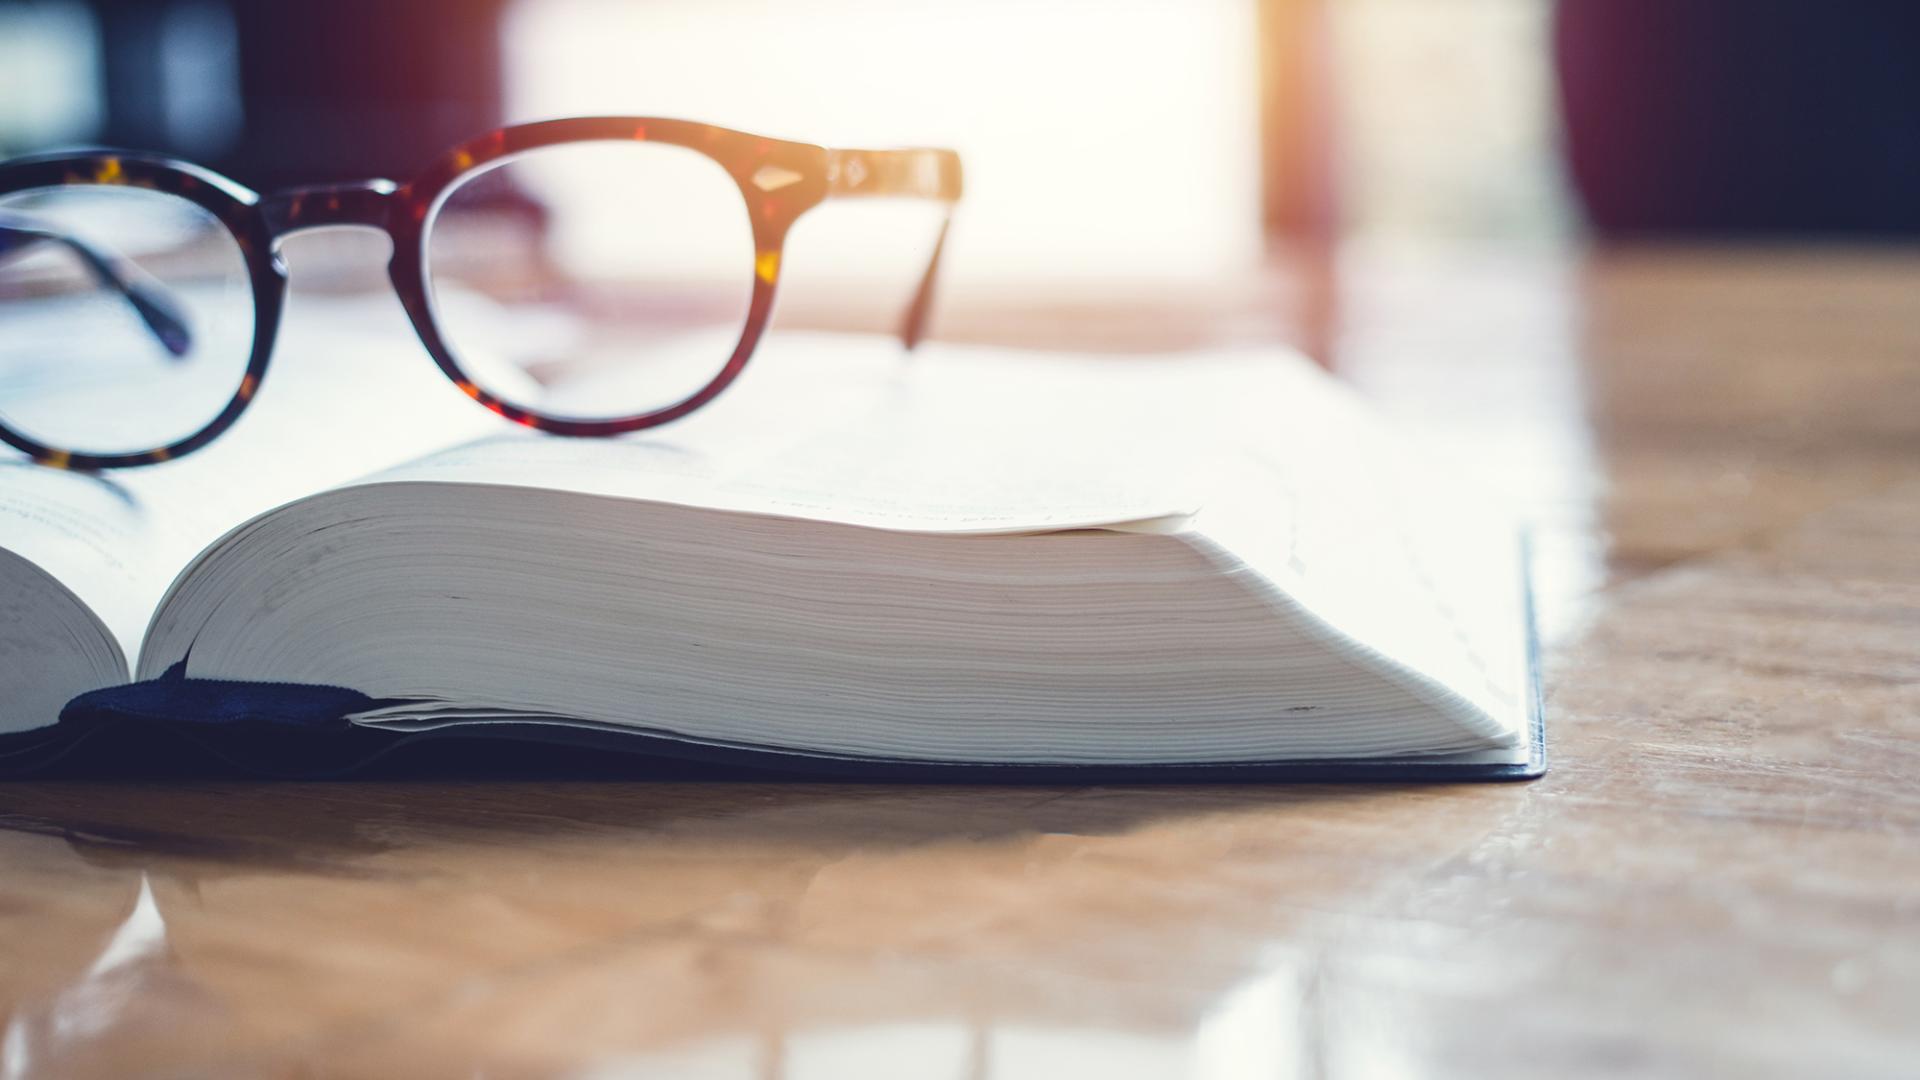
column 148, row 298
column 910, row 174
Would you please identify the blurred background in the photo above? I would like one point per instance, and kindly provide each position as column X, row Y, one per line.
column 1173, row 153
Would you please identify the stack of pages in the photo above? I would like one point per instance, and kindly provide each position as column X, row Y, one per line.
column 964, row 562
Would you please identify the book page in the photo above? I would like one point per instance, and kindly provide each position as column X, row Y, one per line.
column 349, row 391
column 1260, row 454
column 1255, row 452
column 90, row 533
column 1294, row 478
column 856, row 431
column 1379, row 543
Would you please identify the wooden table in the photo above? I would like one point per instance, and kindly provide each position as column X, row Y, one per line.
column 1720, row 876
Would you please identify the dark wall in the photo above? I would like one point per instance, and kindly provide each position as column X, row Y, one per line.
column 1681, row 116
column 327, row 90
column 1743, row 116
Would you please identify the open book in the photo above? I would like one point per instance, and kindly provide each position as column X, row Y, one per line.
column 965, row 562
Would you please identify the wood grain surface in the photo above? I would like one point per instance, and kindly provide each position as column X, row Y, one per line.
column 1720, row 876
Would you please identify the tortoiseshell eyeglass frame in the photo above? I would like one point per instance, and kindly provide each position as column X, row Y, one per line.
column 779, row 181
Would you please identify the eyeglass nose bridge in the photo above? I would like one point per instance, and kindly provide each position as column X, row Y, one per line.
column 360, row 204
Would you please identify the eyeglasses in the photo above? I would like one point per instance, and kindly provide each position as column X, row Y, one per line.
column 587, row 276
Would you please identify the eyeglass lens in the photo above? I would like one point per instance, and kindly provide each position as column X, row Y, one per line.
column 592, row 281
column 129, row 317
